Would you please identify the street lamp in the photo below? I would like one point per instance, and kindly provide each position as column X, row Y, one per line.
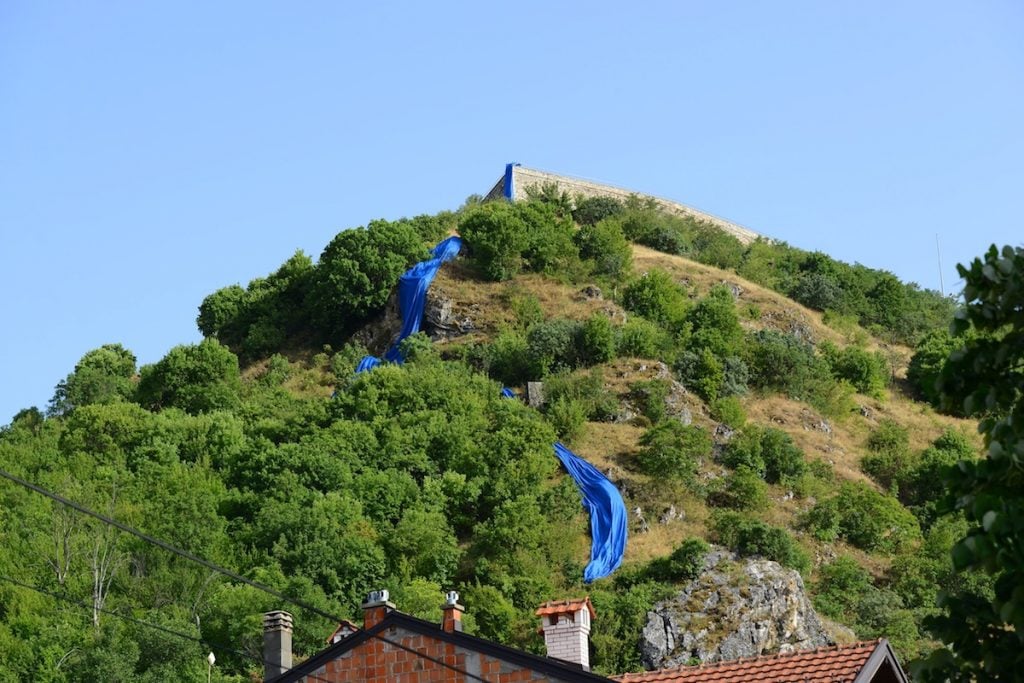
column 209, row 671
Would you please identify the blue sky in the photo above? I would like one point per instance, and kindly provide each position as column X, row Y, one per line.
column 151, row 153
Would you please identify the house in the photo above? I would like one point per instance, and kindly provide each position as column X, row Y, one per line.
column 870, row 662
column 395, row 647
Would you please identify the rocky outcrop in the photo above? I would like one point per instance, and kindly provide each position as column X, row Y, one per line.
column 735, row 608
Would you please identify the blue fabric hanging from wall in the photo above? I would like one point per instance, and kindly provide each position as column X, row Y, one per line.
column 608, row 526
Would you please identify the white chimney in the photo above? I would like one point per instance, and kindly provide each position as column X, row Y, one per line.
column 566, row 626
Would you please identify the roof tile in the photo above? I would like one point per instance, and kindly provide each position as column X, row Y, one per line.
column 836, row 664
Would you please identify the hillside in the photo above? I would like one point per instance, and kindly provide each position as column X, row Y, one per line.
column 752, row 396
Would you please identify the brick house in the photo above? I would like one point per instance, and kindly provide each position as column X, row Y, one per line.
column 395, row 647
column 399, row 648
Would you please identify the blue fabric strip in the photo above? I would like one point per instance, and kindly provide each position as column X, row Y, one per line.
column 608, row 526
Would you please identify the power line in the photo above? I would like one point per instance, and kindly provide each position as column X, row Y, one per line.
column 206, row 563
column 148, row 624
column 166, row 546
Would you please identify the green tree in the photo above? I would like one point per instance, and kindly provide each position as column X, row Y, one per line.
column 103, row 375
column 984, row 635
column 357, row 271
column 606, row 246
column 195, row 377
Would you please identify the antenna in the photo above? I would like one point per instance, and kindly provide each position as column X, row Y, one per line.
column 938, row 254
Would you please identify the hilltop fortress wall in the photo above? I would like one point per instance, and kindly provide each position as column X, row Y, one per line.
column 517, row 179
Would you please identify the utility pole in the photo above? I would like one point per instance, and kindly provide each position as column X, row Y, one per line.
column 938, row 254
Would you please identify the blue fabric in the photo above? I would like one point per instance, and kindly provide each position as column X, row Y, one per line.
column 412, row 291
column 509, row 191
column 367, row 363
column 608, row 527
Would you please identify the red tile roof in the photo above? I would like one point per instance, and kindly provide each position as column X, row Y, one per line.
column 836, row 664
column 565, row 607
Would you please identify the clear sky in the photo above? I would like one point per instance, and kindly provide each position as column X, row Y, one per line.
column 151, row 153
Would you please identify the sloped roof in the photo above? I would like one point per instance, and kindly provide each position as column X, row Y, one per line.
column 836, row 664
column 554, row 668
column 565, row 607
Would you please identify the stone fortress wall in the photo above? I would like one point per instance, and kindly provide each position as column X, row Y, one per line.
column 523, row 178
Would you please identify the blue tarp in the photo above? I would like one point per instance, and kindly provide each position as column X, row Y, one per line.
column 412, row 297
column 608, row 527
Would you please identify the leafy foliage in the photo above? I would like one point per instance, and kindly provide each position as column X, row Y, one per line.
column 103, row 375
column 985, row 634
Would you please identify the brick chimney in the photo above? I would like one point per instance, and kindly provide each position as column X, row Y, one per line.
column 451, row 613
column 376, row 607
column 277, row 644
column 566, row 627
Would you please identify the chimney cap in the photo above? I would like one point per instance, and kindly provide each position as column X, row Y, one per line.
column 278, row 620
column 553, row 607
column 451, row 599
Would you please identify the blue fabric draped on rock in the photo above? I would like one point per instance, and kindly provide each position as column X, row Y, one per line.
column 412, row 298
column 608, row 527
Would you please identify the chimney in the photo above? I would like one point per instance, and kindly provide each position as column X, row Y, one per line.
column 277, row 644
column 376, row 607
column 566, row 627
column 451, row 613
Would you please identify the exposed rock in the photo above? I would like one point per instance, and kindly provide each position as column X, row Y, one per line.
column 640, row 524
column 723, row 433
column 378, row 334
column 440, row 320
column 591, row 292
column 733, row 609
column 535, row 394
column 736, row 289
column 865, row 412
column 670, row 515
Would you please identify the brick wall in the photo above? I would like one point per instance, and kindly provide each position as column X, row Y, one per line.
column 524, row 178
column 377, row 661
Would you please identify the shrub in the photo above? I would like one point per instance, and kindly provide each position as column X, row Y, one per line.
column 840, row 587
column 781, row 362
column 926, row 364
column 729, row 411
column 495, row 237
column 592, row 210
column 568, row 416
column 767, row 451
column 589, row 391
column 868, row 372
column 552, row 346
column 683, row 564
column 597, row 340
column 702, row 372
column 889, row 461
column 652, row 228
column 549, row 245
column 716, row 247
column 641, row 338
column 743, row 489
column 650, row 398
column 748, row 536
column 508, row 358
column 606, row 246
column 865, row 518
column 715, row 325
column 656, row 297
column 671, row 450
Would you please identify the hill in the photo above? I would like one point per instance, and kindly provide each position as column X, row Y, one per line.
column 749, row 395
